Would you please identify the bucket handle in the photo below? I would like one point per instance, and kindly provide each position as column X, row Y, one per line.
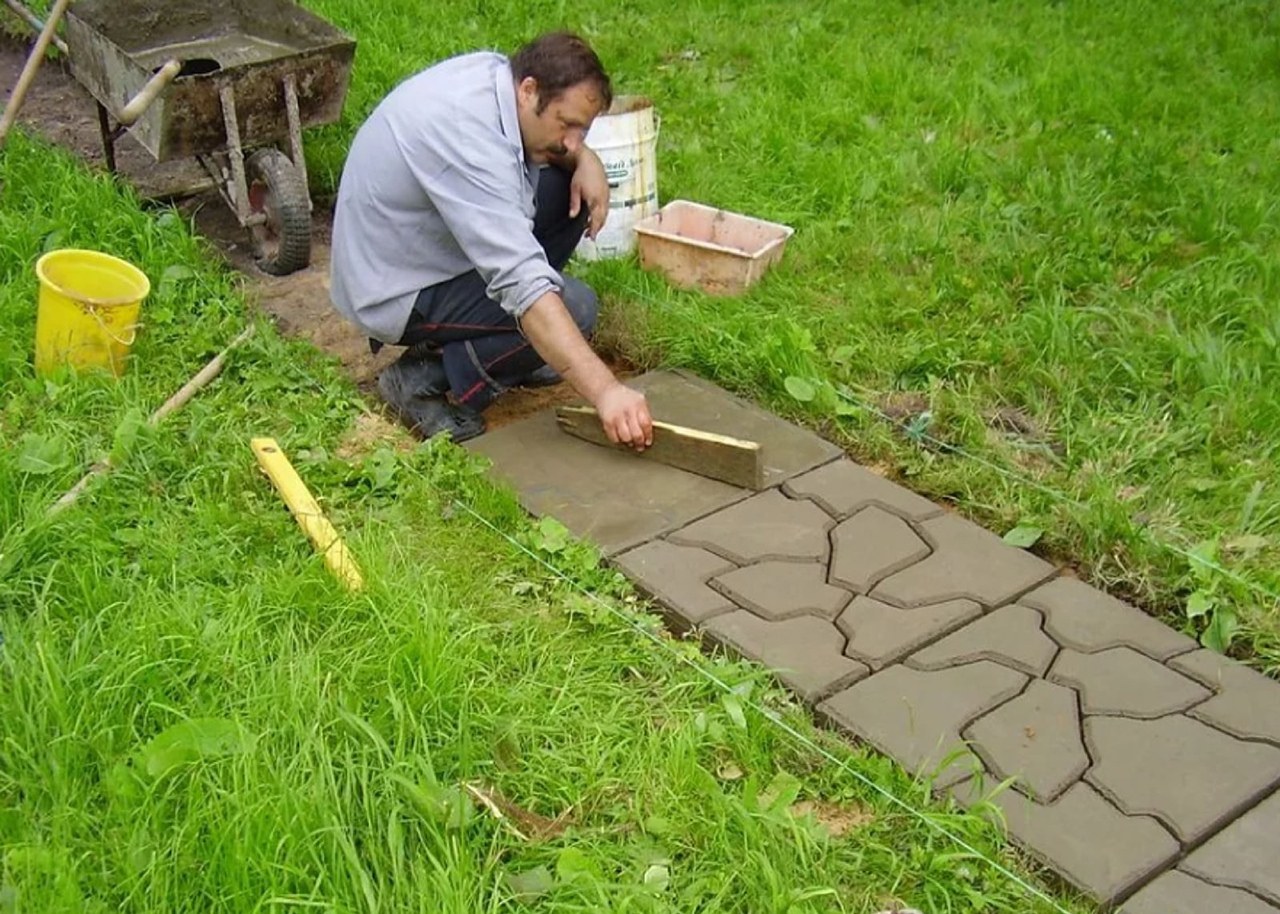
column 102, row 325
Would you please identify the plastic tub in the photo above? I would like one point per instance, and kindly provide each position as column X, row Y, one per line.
column 697, row 246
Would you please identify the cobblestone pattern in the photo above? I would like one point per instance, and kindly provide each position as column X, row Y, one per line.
column 1129, row 750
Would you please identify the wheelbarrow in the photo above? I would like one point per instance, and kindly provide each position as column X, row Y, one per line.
column 230, row 82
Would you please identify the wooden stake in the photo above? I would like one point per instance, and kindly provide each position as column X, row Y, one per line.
column 180, row 398
column 28, row 75
column 720, row 457
column 33, row 20
column 306, row 510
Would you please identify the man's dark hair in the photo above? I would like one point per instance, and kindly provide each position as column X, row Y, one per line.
column 559, row 61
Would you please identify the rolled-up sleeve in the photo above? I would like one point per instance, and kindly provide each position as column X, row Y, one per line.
column 474, row 179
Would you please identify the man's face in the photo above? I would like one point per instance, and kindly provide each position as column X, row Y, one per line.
column 561, row 126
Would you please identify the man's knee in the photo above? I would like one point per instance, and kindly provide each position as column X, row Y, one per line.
column 552, row 202
column 583, row 304
column 555, row 230
column 553, row 189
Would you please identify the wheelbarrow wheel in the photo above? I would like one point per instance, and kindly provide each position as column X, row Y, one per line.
column 282, row 243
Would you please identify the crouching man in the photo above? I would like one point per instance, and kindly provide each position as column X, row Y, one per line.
column 462, row 198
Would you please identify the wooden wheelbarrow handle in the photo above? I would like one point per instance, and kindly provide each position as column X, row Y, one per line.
column 138, row 105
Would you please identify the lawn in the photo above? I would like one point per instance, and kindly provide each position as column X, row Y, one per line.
column 1035, row 267
column 1033, row 275
column 195, row 717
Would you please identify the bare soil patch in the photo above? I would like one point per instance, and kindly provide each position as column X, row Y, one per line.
column 62, row 111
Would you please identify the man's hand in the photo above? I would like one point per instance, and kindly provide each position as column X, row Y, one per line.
column 624, row 415
column 589, row 185
column 624, row 412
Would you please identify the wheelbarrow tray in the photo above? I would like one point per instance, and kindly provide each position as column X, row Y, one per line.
column 115, row 46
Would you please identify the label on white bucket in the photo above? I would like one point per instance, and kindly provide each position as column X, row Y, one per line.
column 626, row 140
column 617, row 172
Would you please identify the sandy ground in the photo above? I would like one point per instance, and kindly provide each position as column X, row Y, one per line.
column 58, row 108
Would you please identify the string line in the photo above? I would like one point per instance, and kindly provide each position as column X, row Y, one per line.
column 1059, row 496
column 767, row 713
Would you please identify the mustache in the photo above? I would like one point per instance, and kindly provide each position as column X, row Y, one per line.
column 558, row 149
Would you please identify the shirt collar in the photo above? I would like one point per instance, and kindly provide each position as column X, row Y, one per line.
column 504, row 85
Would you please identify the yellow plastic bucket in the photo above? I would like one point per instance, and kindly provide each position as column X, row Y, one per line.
column 87, row 315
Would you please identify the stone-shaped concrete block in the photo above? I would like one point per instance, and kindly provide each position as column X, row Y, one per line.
column 880, row 634
column 843, row 487
column 609, row 497
column 677, row 577
column 619, row 500
column 916, row 716
column 872, row 545
column 1244, row 855
column 1119, row 680
column 765, row 526
column 1247, row 703
column 968, row 563
column 806, row 653
column 1177, row 893
column 1189, row 775
column 1086, row 619
column 1011, row 635
column 780, row 590
column 1035, row 738
column 1085, row 838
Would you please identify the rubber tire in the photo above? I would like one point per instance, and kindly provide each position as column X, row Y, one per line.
column 288, row 193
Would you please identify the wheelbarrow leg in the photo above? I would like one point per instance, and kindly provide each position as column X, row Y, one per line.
column 295, row 131
column 268, row 191
column 108, row 138
column 239, row 190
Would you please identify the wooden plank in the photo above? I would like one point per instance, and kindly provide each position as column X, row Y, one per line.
column 730, row 460
column 306, row 510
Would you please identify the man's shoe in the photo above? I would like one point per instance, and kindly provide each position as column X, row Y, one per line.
column 427, row 349
column 410, row 377
column 432, row 416
column 415, row 389
column 546, row 376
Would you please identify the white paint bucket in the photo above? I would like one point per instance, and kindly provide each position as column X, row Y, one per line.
column 626, row 140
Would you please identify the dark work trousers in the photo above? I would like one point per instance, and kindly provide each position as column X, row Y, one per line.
column 483, row 349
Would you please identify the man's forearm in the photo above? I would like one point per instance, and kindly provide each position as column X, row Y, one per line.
column 624, row 413
column 552, row 332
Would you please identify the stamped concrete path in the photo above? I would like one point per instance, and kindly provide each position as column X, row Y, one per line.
column 1147, row 770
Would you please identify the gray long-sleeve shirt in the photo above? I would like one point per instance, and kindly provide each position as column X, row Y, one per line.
column 437, row 184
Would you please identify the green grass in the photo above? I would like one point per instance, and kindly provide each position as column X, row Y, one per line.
column 195, row 717
column 1063, row 209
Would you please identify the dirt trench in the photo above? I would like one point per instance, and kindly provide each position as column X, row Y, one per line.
column 62, row 111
